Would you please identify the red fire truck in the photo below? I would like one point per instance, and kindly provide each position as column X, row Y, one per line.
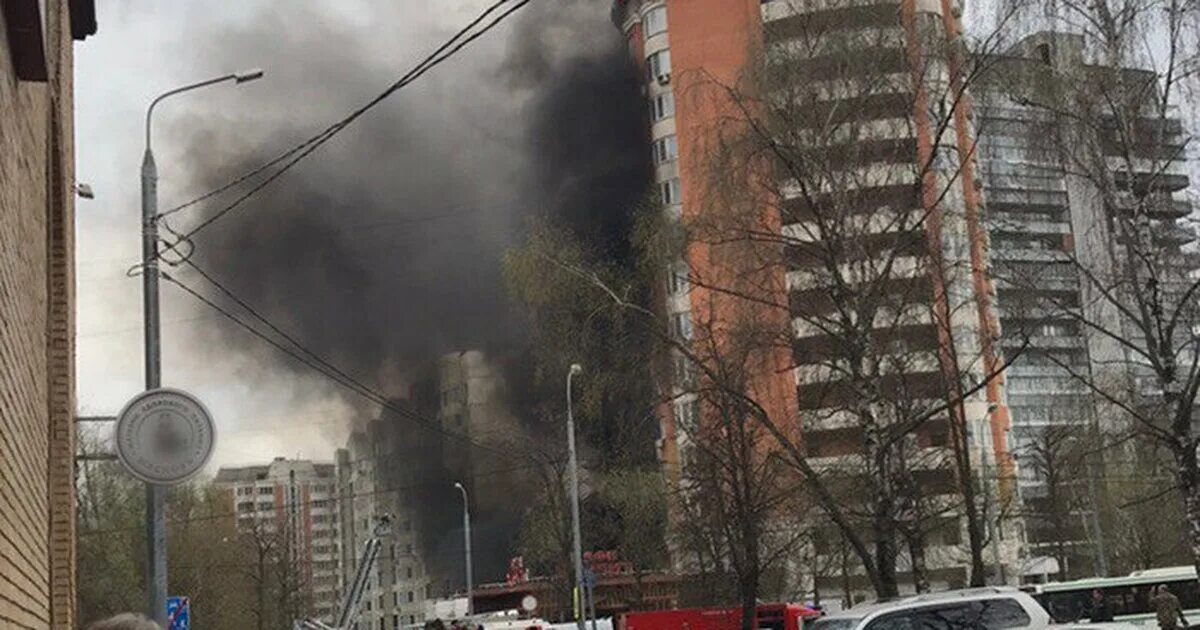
column 770, row 617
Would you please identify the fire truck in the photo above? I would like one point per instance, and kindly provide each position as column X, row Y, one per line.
column 770, row 617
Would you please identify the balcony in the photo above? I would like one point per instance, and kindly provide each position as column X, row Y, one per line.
column 1029, row 255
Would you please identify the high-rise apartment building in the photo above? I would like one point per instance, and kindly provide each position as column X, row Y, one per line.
column 37, row 310
column 377, row 480
column 1051, row 228
column 896, row 166
column 290, row 509
column 870, row 99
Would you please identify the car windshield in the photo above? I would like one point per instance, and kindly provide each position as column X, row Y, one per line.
column 835, row 623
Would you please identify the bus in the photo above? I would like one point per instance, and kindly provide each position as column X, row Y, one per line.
column 1128, row 597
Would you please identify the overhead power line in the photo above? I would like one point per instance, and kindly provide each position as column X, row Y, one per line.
column 315, row 361
column 291, row 157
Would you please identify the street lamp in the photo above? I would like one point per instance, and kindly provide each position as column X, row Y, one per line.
column 467, row 544
column 574, row 466
column 156, row 526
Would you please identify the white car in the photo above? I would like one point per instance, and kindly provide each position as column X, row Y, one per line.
column 987, row 608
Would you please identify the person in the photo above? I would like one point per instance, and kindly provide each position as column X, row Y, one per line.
column 1167, row 609
column 126, row 621
column 1100, row 611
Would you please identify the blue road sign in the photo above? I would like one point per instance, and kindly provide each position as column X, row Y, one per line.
column 177, row 613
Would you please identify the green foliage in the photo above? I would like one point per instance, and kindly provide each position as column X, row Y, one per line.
column 572, row 320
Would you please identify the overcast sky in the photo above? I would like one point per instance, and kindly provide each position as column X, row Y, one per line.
column 320, row 59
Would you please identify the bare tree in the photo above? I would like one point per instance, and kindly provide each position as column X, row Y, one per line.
column 1105, row 99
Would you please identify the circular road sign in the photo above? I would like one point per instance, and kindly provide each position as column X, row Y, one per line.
column 529, row 603
column 164, row 436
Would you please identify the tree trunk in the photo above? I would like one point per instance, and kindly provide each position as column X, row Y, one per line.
column 966, row 480
column 1189, row 484
column 916, row 553
column 750, row 606
column 885, row 552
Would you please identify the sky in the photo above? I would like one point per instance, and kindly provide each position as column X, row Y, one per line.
column 456, row 141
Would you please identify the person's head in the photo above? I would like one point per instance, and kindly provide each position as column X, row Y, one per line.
column 1163, row 590
column 1096, row 596
column 126, row 621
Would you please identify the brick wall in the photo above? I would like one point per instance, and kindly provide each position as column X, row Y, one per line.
column 36, row 338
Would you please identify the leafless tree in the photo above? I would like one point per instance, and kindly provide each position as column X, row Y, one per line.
column 1105, row 96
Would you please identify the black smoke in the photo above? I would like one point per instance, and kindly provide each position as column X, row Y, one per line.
column 383, row 249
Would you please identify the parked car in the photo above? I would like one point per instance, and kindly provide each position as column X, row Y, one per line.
column 986, row 608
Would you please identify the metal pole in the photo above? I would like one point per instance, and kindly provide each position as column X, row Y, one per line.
column 591, row 590
column 1097, row 531
column 467, row 545
column 156, row 496
column 573, row 464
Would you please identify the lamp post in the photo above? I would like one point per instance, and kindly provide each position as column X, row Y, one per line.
column 573, row 464
column 156, row 527
column 467, row 545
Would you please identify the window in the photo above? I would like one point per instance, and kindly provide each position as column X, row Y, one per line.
column 658, row 66
column 1056, row 329
column 410, row 597
column 266, row 490
column 665, row 150
column 681, row 325
column 662, row 106
column 677, row 278
column 409, row 572
column 669, row 191
column 685, row 371
column 395, row 599
column 654, row 21
column 395, row 622
column 685, row 414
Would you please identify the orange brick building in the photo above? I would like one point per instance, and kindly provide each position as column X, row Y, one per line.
column 37, row 311
column 695, row 55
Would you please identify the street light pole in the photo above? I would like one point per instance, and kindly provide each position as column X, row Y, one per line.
column 156, row 526
column 467, row 544
column 573, row 464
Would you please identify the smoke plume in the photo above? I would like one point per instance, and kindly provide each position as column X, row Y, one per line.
column 382, row 250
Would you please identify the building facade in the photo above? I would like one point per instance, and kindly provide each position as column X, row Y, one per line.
column 37, row 311
column 377, row 480
column 1053, row 237
column 897, row 144
column 291, row 506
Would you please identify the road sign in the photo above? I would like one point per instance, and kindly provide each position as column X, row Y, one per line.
column 177, row 613
column 529, row 603
column 164, row 436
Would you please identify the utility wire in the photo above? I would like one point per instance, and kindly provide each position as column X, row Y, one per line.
column 290, row 158
column 319, row 364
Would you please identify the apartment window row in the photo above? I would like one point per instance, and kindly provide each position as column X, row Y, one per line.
column 665, row 150
column 654, row 21
column 662, row 106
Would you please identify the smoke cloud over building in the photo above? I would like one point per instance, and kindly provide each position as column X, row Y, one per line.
column 382, row 251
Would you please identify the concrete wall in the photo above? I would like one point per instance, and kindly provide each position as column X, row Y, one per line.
column 37, row 337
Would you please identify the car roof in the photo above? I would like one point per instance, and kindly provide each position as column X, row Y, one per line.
column 982, row 592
